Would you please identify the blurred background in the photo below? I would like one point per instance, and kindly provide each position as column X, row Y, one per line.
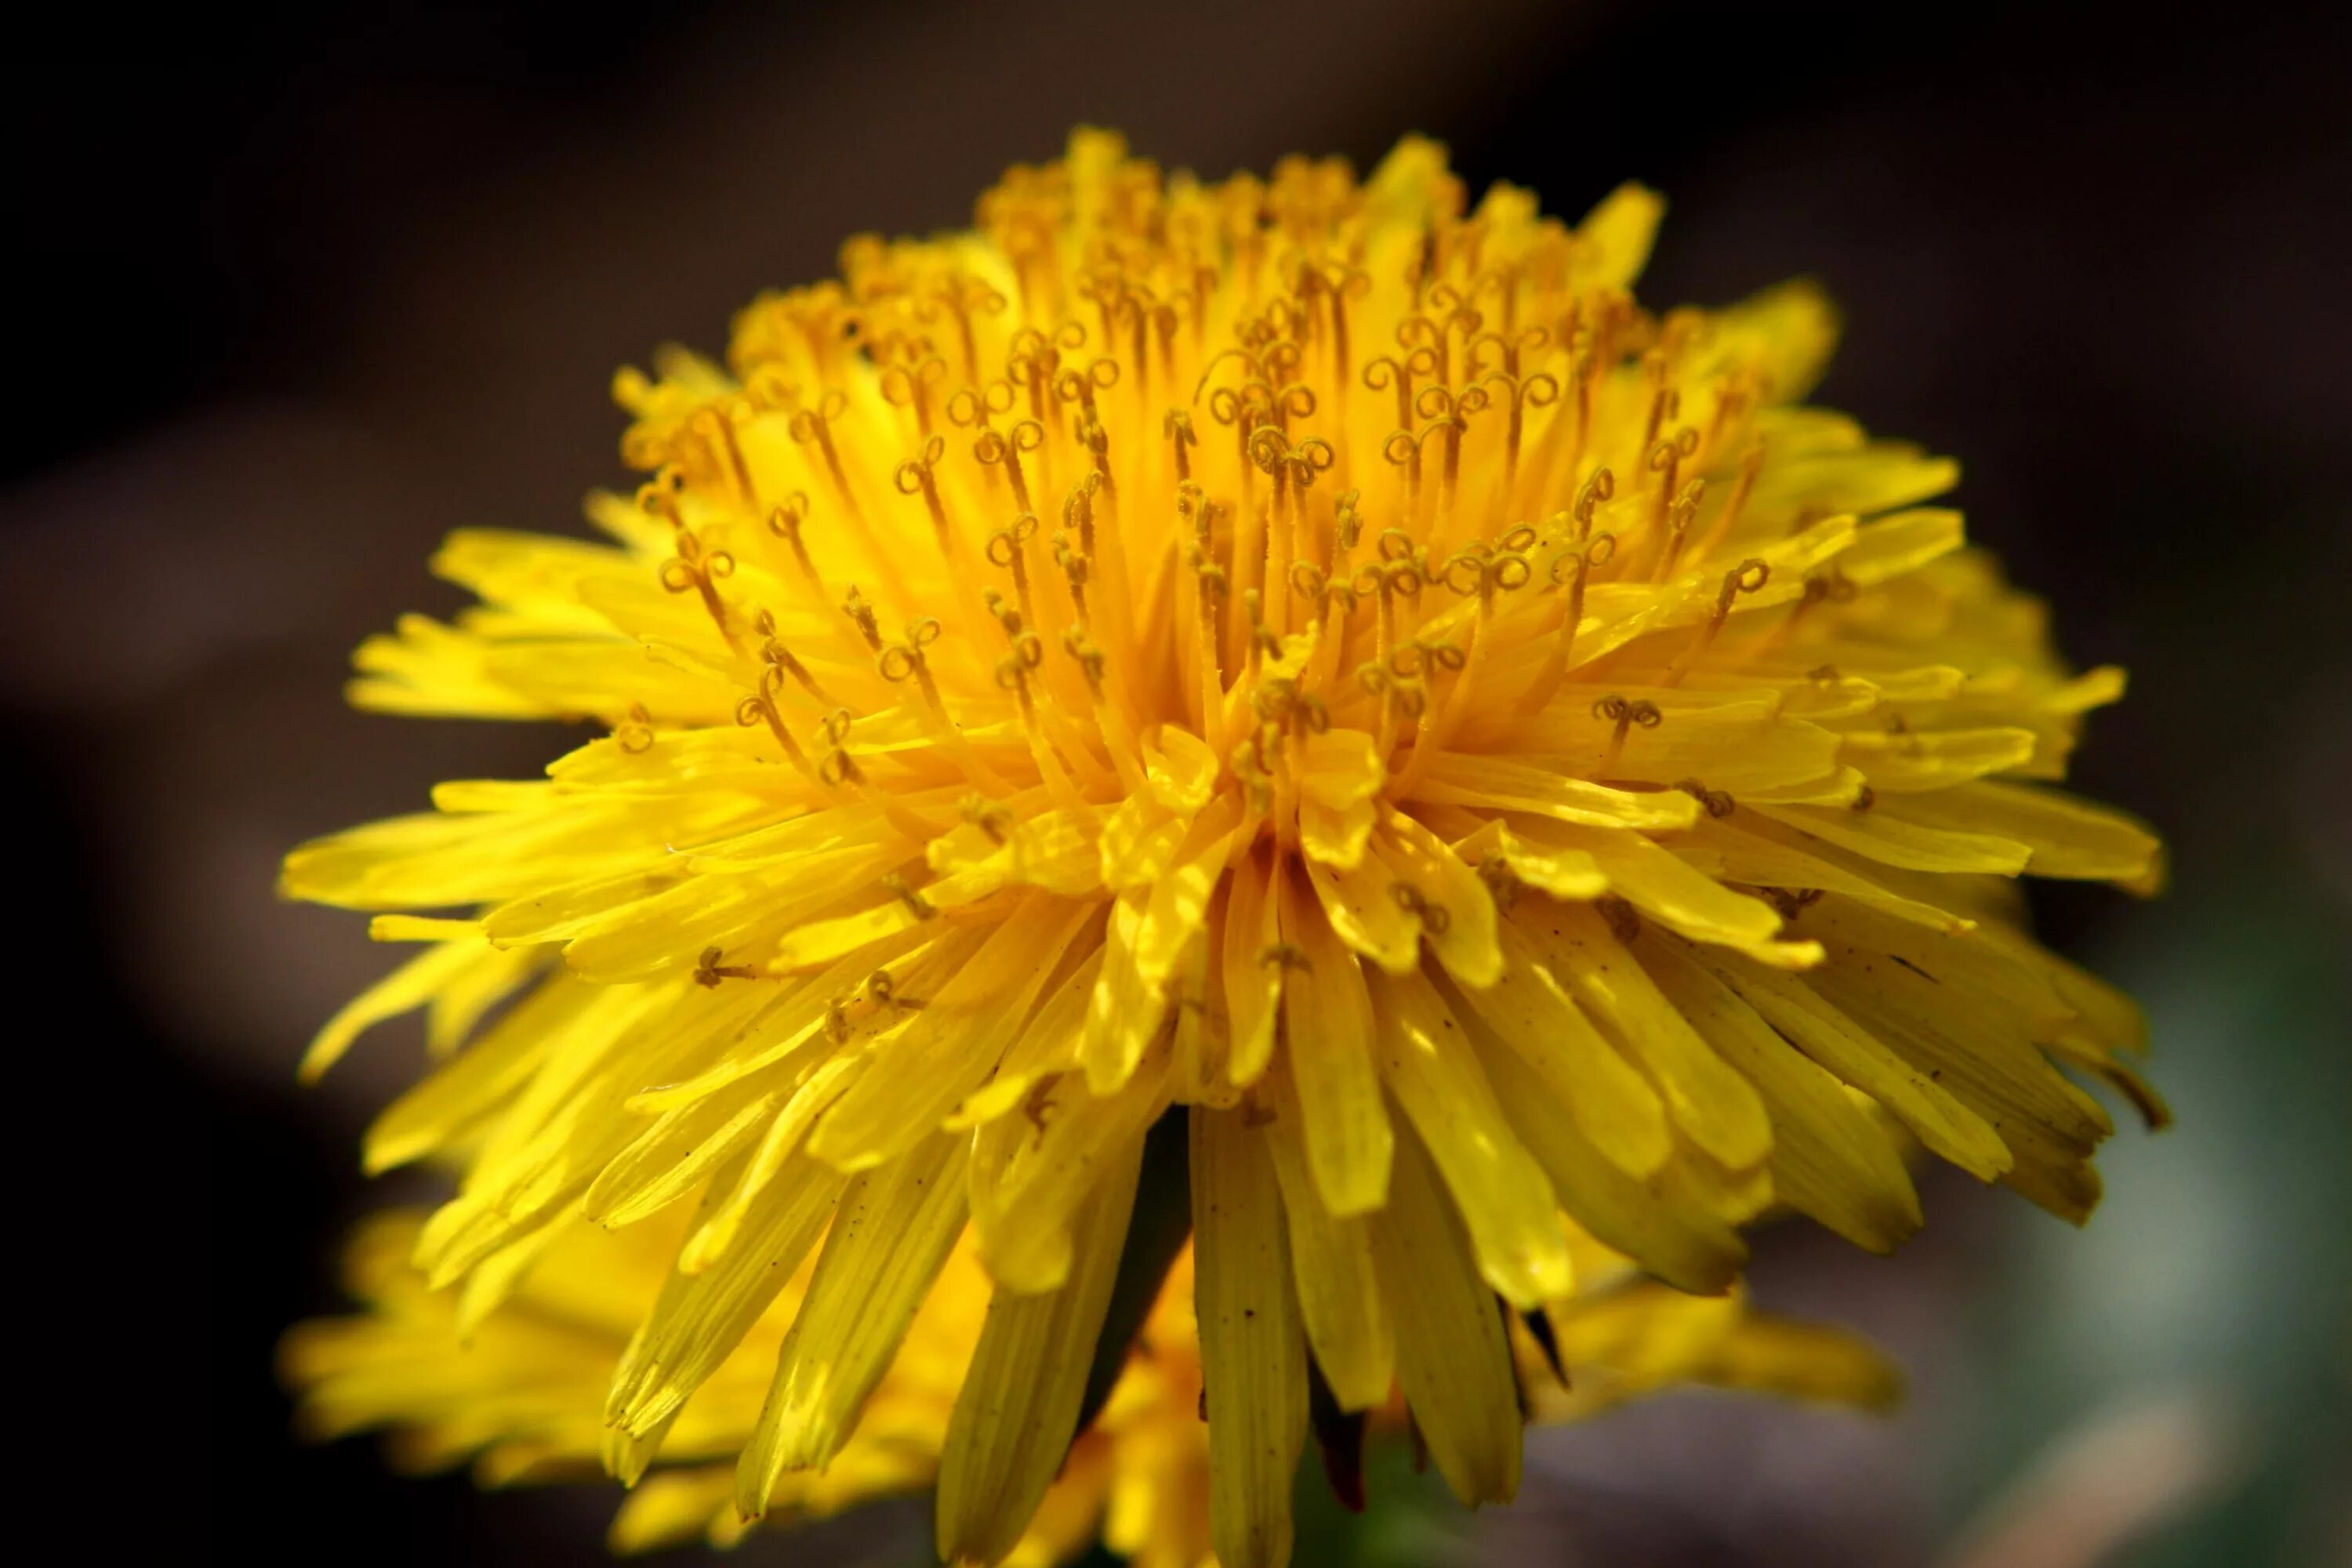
column 302, row 288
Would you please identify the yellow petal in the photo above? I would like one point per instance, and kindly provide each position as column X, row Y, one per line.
column 1126, row 1009
column 1253, row 984
column 890, row 1233
column 1013, row 1418
column 1327, row 1014
column 1893, row 839
column 1181, row 768
column 1336, row 836
column 1462, row 929
column 779, row 1152
column 1048, row 1045
column 1613, row 1105
column 946, row 1048
column 1360, row 907
column 457, row 1095
column 828, row 941
column 1875, row 478
column 1652, row 1222
column 432, row 860
column 1497, row 785
column 1140, row 839
column 1340, row 768
column 1706, row 1098
column 669, row 1158
column 1612, row 243
column 1790, row 330
column 1452, row 1357
column 1815, row 1027
column 1771, row 1354
column 405, row 989
column 670, row 1509
column 1829, row 1158
column 1551, row 869
column 1180, row 898
column 1737, row 740
column 1764, row 854
column 698, row 1319
column 1340, row 1296
column 1502, row 1195
column 1032, row 1176
column 1913, row 761
column 1899, row 541
column 1252, row 1360
column 2065, row 837
column 1669, row 891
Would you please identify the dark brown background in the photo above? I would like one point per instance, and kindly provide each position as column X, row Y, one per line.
column 301, row 287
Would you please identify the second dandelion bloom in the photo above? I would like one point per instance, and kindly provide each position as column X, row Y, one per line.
column 1308, row 657
column 521, row 1390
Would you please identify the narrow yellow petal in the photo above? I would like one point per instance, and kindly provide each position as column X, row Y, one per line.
column 1554, row 870
column 1895, row 840
column 1794, row 327
column 1141, row 836
column 1181, row 768
column 1340, row 1295
column 890, row 1233
column 1126, row 1009
column 1252, row 1359
column 1613, row 1104
column 2065, row 837
column 1034, row 1171
column 405, row 989
column 1012, row 1422
column 1913, row 760
column 1453, row 1356
column 1455, row 909
column 1360, row 906
column 1179, row 901
column 830, row 940
column 460, row 1092
column 698, row 1319
column 1336, row 836
column 1340, row 768
column 1718, row 1110
column 1829, row 1158
column 1497, row 783
column 780, row 1149
column 1765, row 855
column 1872, row 478
column 798, row 1024
column 1902, row 541
column 1612, row 243
column 1651, row 1221
column 1662, row 885
column 1253, row 985
column 1738, row 740
column 1048, row 1045
column 671, row 1509
column 670, row 1157
column 1945, row 1125
column 1504, row 1197
column 1327, row 1015
column 948, row 1045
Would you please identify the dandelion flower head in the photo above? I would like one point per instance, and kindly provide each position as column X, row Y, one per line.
column 1309, row 662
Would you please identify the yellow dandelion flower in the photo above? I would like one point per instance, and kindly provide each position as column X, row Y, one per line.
column 1309, row 653
column 520, row 1392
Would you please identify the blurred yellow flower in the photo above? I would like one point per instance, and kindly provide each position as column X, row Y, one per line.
column 1301, row 651
column 522, row 1392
